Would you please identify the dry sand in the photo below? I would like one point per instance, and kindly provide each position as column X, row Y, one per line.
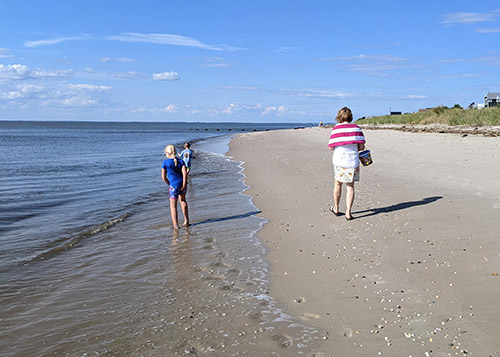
column 416, row 273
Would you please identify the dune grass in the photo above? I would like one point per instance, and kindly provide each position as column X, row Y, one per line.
column 441, row 115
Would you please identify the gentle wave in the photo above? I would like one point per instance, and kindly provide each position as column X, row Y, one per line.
column 67, row 243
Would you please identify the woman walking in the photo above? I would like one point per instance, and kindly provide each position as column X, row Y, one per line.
column 346, row 140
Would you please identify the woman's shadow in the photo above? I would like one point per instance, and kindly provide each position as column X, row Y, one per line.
column 396, row 207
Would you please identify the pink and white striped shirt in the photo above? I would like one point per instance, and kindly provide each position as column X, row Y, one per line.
column 345, row 134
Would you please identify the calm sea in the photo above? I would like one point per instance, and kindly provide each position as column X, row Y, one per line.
column 89, row 263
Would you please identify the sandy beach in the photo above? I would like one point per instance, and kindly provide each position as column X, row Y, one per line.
column 416, row 273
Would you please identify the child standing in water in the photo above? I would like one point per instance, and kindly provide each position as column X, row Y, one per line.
column 174, row 174
column 187, row 155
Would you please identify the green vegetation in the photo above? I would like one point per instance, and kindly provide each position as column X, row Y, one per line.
column 441, row 115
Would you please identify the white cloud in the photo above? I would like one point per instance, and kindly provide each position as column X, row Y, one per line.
column 22, row 91
column 166, row 76
column 105, row 59
column 14, row 71
column 52, row 41
column 5, row 53
column 19, row 71
column 274, row 110
column 170, row 39
column 468, row 18
column 171, row 108
column 232, row 109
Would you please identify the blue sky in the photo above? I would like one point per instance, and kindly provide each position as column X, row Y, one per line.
column 258, row 61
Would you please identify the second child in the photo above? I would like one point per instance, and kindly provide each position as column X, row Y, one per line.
column 187, row 155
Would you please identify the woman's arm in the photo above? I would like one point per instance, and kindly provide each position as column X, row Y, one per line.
column 164, row 176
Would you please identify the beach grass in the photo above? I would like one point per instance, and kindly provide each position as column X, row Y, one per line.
column 441, row 115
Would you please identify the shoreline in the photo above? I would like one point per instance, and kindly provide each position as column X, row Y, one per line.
column 416, row 273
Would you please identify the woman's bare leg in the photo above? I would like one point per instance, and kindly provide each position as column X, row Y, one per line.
column 349, row 200
column 337, row 192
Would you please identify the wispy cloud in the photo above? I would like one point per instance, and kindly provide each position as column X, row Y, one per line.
column 246, row 88
column 88, row 87
column 316, row 93
column 19, row 72
column 484, row 30
column 336, row 95
column 128, row 75
column 372, row 65
column 119, row 59
column 215, row 62
column 491, row 59
column 386, row 58
column 216, row 65
column 287, row 49
column 468, row 18
column 170, row 39
column 54, row 41
column 166, row 76
column 5, row 53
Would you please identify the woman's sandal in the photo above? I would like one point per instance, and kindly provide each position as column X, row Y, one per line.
column 349, row 218
column 333, row 211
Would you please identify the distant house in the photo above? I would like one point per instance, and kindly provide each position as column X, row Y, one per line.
column 395, row 113
column 491, row 100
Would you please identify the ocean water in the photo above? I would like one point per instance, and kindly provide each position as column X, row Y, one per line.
column 89, row 262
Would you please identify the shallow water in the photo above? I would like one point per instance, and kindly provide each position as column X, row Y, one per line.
column 91, row 265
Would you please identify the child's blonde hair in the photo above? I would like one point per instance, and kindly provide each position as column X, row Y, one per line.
column 171, row 153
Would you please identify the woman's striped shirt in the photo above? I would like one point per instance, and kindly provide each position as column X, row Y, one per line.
column 345, row 134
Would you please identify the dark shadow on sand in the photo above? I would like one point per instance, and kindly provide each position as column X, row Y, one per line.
column 396, row 207
column 228, row 218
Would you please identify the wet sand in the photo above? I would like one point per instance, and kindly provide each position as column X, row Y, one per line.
column 416, row 273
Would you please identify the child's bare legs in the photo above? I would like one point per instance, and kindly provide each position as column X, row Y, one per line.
column 349, row 200
column 337, row 192
column 173, row 212
column 184, row 207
